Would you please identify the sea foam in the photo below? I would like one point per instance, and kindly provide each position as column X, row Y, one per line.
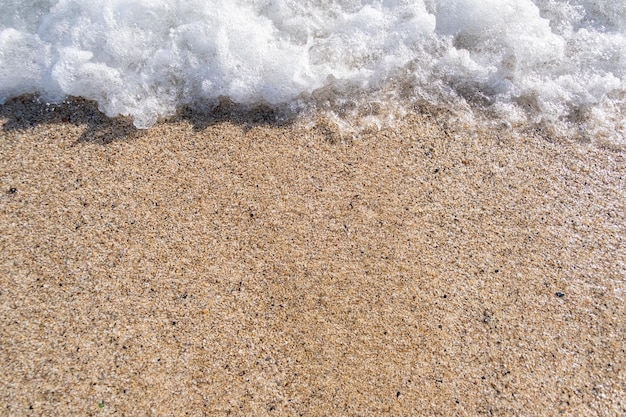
column 557, row 64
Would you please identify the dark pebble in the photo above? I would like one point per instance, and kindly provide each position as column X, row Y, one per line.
column 12, row 190
column 559, row 294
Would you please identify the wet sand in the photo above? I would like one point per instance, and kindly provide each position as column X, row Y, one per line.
column 235, row 266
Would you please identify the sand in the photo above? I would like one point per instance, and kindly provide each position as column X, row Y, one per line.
column 238, row 266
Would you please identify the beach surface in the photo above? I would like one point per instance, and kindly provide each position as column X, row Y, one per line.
column 231, row 265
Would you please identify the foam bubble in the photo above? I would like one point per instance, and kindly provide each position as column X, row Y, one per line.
column 554, row 63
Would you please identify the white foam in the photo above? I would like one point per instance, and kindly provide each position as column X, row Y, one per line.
column 556, row 63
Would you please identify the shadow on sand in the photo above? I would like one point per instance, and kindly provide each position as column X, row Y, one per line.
column 29, row 111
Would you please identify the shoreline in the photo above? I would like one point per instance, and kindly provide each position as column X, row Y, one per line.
column 251, row 268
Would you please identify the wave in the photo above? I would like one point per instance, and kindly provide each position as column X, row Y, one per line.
column 551, row 64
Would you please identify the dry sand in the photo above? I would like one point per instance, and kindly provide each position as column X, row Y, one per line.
column 233, row 266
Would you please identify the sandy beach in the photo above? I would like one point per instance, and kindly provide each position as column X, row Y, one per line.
column 232, row 265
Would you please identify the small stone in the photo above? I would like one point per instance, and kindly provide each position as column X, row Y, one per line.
column 487, row 316
column 559, row 294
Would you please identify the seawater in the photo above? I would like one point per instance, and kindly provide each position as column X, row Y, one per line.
column 554, row 64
